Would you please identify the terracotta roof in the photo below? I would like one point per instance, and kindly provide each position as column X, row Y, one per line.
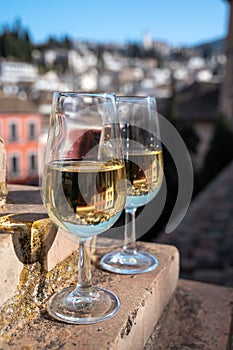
column 16, row 105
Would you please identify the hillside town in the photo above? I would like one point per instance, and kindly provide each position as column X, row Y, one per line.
column 179, row 77
column 181, row 222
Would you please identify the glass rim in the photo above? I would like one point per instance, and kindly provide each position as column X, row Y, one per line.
column 135, row 98
column 84, row 94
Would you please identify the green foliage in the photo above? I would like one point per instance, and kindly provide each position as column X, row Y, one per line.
column 180, row 55
column 16, row 42
column 136, row 50
column 64, row 43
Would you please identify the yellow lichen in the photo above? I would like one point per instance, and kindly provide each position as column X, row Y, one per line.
column 3, row 189
column 32, row 241
column 35, row 286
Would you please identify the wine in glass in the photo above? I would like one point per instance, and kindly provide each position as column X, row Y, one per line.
column 144, row 168
column 84, row 192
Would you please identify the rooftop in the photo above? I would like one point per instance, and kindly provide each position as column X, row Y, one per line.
column 14, row 104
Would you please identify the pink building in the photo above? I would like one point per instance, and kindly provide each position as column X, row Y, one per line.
column 20, row 128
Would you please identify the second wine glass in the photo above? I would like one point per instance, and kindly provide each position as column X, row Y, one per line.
column 144, row 168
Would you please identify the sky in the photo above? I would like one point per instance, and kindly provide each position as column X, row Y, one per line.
column 177, row 22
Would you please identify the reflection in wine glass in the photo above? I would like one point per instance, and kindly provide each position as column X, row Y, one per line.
column 144, row 169
column 84, row 192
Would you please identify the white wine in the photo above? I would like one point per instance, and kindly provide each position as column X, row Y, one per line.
column 84, row 197
column 144, row 170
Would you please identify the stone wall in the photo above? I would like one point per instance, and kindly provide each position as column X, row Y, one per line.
column 3, row 185
column 32, row 255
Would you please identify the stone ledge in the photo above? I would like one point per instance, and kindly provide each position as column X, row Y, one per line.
column 3, row 184
column 24, row 245
column 25, row 217
column 199, row 316
column 28, row 239
column 38, row 259
column 143, row 298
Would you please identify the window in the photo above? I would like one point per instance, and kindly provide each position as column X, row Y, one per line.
column 32, row 163
column 14, row 165
column 32, row 131
column 13, row 131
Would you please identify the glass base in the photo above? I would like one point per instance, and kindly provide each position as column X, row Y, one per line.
column 124, row 262
column 98, row 305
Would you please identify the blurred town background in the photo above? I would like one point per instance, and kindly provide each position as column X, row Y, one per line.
column 187, row 81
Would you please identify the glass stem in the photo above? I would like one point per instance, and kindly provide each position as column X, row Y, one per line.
column 84, row 285
column 129, row 246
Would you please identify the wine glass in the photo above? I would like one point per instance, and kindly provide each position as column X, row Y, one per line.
column 144, row 168
column 84, row 192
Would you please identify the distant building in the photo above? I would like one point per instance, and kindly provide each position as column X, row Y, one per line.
column 20, row 128
column 147, row 41
column 15, row 72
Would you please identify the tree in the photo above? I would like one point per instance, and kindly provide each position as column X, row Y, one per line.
column 16, row 42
